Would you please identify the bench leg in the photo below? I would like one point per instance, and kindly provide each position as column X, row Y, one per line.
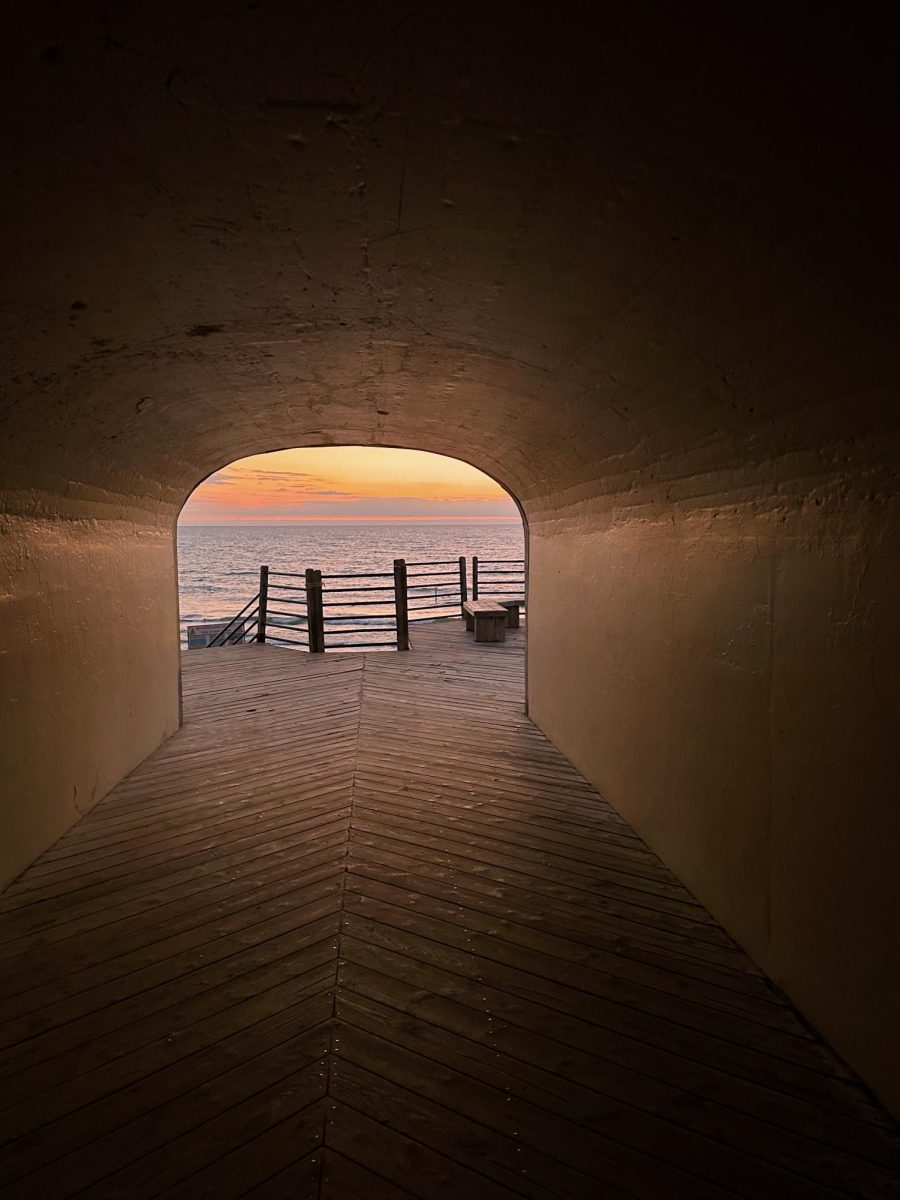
column 470, row 622
column 490, row 627
column 512, row 616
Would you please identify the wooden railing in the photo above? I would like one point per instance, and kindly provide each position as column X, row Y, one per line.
column 355, row 595
column 437, row 592
column 241, row 625
column 312, row 609
column 503, row 578
column 284, row 605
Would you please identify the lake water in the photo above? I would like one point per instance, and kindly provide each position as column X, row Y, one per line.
column 218, row 565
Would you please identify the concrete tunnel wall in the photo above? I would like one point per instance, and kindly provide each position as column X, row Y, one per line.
column 640, row 295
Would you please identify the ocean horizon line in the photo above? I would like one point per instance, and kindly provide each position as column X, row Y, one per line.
column 260, row 524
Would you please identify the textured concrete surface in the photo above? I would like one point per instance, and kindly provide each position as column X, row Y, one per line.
column 634, row 262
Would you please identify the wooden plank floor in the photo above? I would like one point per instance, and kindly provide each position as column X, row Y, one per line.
column 360, row 931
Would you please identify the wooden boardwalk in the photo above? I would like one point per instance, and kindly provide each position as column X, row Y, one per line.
column 360, row 931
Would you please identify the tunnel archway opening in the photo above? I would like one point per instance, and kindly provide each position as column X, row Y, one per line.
column 348, row 548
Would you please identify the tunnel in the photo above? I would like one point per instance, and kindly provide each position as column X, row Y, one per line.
column 631, row 261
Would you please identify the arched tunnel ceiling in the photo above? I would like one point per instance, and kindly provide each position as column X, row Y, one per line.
column 601, row 253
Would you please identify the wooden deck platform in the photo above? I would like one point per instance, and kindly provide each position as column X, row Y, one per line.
column 360, row 931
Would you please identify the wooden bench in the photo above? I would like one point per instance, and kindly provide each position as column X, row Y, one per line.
column 512, row 612
column 486, row 619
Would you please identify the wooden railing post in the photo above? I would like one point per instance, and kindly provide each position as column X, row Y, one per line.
column 401, row 603
column 463, row 587
column 474, row 576
column 315, row 611
column 263, row 604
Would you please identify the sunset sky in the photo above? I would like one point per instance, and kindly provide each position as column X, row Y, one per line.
column 347, row 483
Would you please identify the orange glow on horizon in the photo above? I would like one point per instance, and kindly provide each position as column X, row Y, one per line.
column 347, row 483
